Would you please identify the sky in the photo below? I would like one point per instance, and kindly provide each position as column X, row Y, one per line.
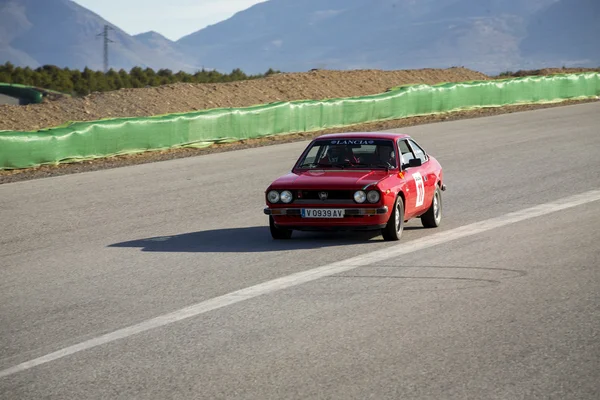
column 171, row 18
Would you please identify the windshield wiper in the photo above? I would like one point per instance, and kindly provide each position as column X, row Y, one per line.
column 387, row 166
column 322, row 165
column 339, row 165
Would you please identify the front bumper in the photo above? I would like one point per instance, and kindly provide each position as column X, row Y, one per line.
column 356, row 219
column 348, row 212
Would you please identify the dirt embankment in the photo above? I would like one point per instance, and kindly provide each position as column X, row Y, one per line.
column 552, row 71
column 184, row 97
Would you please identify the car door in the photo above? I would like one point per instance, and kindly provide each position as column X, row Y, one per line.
column 415, row 181
column 426, row 171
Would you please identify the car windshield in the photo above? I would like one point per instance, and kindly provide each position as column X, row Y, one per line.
column 350, row 153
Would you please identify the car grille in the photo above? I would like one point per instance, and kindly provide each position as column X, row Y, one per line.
column 333, row 196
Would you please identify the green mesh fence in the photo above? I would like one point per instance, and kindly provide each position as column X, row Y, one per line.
column 87, row 140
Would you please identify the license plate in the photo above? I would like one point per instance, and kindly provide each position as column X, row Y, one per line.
column 322, row 213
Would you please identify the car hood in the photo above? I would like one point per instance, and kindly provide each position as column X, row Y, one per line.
column 323, row 179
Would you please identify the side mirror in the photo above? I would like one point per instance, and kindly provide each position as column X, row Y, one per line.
column 415, row 162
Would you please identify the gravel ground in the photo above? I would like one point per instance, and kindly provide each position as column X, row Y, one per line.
column 185, row 97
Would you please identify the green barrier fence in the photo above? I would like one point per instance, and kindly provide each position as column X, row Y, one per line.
column 86, row 140
column 22, row 92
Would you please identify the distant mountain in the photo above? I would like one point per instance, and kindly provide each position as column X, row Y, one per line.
column 168, row 49
column 293, row 35
column 154, row 40
column 62, row 33
column 297, row 35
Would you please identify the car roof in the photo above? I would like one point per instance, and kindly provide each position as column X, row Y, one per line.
column 365, row 135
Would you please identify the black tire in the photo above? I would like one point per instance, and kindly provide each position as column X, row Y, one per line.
column 433, row 216
column 395, row 225
column 277, row 232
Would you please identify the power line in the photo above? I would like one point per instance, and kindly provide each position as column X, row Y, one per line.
column 106, row 42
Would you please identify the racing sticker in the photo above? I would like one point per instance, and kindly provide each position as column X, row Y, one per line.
column 420, row 189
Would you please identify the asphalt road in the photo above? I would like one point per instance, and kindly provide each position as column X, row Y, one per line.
column 505, row 309
column 4, row 99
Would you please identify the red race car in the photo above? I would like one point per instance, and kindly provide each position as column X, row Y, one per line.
column 357, row 181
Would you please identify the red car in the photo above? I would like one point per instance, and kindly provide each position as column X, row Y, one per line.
column 357, row 181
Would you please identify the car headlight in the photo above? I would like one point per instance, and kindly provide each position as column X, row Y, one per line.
column 373, row 196
column 360, row 196
column 273, row 196
column 286, row 196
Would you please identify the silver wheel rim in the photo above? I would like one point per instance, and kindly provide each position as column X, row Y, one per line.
column 398, row 218
column 436, row 206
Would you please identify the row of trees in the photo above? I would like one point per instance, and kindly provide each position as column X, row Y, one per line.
column 80, row 83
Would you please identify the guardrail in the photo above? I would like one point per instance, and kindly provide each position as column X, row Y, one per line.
column 86, row 140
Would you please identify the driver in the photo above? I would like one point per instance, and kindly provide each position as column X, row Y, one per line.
column 387, row 155
column 340, row 154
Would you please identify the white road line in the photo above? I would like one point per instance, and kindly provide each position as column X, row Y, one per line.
column 311, row 275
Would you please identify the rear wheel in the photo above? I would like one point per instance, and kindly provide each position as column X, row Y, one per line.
column 395, row 225
column 433, row 216
column 277, row 232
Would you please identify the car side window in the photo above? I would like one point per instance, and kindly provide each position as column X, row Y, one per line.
column 406, row 152
column 418, row 151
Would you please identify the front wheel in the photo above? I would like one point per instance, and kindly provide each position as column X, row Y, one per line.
column 277, row 232
column 433, row 216
column 395, row 225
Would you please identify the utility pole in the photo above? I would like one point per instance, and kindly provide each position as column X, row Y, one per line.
column 106, row 42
